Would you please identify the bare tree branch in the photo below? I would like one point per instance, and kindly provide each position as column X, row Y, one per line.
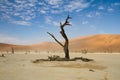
column 62, row 27
column 55, row 39
column 66, row 22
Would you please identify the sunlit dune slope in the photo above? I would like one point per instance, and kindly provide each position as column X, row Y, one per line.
column 97, row 43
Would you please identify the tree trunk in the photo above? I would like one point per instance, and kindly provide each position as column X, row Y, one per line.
column 66, row 50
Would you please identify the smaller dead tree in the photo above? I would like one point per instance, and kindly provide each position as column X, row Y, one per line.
column 62, row 32
column 84, row 51
column 12, row 50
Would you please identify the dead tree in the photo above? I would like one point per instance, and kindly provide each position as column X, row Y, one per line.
column 62, row 32
column 12, row 50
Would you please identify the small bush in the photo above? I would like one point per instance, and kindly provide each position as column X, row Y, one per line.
column 56, row 58
column 84, row 51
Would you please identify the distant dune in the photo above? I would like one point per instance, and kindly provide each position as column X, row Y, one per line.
column 8, row 47
column 95, row 43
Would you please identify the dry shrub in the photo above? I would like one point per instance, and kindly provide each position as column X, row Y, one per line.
column 2, row 55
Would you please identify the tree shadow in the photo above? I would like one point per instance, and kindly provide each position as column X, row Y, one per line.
column 58, row 58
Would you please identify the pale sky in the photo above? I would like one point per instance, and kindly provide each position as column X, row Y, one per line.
column 27, row 21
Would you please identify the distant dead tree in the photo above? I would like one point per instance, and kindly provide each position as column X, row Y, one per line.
column 84, row 51
column 62, row 32
column 12, row 50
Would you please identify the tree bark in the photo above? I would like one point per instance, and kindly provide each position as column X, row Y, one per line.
column 62, row 32
column 66, row 50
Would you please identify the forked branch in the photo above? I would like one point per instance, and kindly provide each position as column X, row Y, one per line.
column 66, row 22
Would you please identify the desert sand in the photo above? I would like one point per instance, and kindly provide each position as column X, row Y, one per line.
column 19, row 66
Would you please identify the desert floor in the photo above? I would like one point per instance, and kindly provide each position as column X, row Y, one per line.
column 19, row 66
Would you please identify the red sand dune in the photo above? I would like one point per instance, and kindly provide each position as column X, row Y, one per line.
column 94, row 43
